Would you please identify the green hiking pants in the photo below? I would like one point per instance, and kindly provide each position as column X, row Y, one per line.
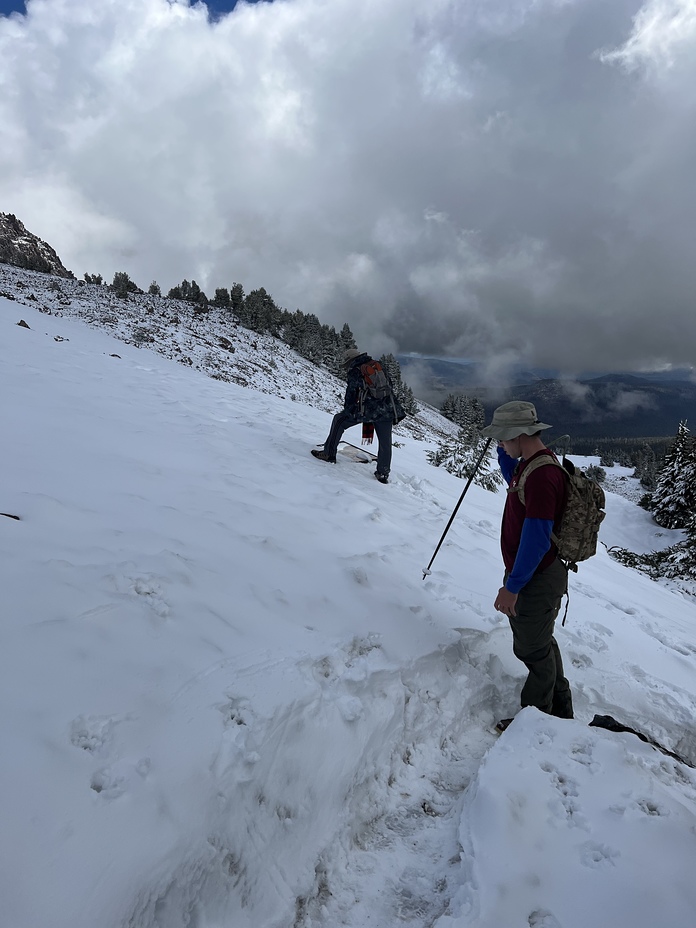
column 534, row 644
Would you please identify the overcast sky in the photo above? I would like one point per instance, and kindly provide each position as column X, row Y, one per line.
column 478, row 178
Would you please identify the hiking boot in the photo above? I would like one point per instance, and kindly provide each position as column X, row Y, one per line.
column 383, row 478
column 323, row 456
column 503, row 724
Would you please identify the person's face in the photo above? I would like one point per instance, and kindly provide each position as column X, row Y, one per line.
column 512, row 447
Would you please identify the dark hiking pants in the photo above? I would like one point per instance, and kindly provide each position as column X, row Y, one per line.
column 534, row 644
column 344, row 420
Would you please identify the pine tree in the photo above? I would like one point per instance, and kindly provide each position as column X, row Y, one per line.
column 688, row 552
column 122, row 285
column 222, row 297
column 260, row 312
column 465, row 411
column 402, row 391
column 646, row 467
column 332, row 350
column 346, row 338
column 189, row 292
column 154, row 289
column 237, row 298
column 460, row 455
column 310, row 345
column 674, row 496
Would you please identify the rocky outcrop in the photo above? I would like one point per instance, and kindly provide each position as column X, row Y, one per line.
column 22, row 249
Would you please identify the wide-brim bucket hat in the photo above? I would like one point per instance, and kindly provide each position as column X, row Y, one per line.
column 513, row 419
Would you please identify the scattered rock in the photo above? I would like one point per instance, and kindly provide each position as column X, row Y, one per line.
column 23, row 324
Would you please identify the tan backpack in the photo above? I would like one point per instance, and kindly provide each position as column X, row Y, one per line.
column 576, row 539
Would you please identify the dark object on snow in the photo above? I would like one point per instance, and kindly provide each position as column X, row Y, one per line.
column 610, row 723
column 383, row 478
column 323, row 456
column 10, row 516
column 23, row 324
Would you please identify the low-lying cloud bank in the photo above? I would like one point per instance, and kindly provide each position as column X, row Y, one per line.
column 474, row 178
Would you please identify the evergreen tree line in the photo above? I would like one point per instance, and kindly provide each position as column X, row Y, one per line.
column 303, row 332
column 460, row 455
column 673, row 505
column 628, row 452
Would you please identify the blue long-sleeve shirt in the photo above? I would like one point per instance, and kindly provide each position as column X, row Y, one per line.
column 535, row 538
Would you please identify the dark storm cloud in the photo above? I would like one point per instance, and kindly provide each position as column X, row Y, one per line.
column 501, row 179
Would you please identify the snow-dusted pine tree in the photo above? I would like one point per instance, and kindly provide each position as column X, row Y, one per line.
column 682, row 556
column 674, row 496
column 460, row 455
column 646, row 468
column 346, row 337
column 458, row 408
column 402, row 391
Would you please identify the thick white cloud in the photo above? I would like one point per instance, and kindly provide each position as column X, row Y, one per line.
column 479, row 176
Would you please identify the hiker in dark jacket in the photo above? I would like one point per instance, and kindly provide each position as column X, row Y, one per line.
column 360, row 406
column 535, row 578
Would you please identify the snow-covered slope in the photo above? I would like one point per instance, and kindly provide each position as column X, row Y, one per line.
column 211, row 342
column 229, row 698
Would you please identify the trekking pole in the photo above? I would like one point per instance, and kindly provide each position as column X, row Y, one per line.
column 468, row 484
column 562, row 443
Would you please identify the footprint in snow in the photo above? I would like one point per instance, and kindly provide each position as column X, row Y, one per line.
column 598, row 856
column 112, row 781
column 92, row 733
column 143, row 586
column 541, row 918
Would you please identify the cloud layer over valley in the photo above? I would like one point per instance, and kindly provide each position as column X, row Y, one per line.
column 507, row 178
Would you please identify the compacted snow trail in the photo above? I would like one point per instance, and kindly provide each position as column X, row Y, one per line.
column 414, row 738
column 398, row 859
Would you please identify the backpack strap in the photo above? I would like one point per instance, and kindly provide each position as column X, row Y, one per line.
column 530, row 468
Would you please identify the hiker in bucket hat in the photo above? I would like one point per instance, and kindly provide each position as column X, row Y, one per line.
column 376, row 413
column 535, row 578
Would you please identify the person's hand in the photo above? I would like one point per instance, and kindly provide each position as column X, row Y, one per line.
column 505, row 601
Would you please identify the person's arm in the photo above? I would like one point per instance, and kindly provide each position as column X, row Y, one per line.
column 535, row 541
column 507, row 464
column 542, row 492
column 352, row 401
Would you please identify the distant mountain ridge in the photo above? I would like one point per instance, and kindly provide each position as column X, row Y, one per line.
column 610, row 405
column 21, row 248
column 613, row 406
